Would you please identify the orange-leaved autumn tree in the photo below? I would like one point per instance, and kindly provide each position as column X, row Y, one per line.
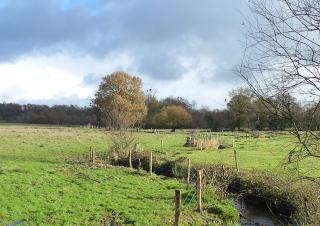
column 120, row 100
column 173, row 116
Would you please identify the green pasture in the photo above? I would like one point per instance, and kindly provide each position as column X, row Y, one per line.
column 41, row 185
column 268, row 152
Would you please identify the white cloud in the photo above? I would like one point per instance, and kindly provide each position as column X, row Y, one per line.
column 59, row 79
column 200, row 83
column 53, row 77
column 27, row 81
column 58, row 51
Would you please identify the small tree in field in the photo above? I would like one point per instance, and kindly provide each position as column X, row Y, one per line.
column 120, row 100
column 121, row 104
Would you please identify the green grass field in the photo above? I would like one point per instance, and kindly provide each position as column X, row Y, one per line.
column 268, row 153
column 39, row 185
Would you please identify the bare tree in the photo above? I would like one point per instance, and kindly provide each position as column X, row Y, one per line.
column 282, row 62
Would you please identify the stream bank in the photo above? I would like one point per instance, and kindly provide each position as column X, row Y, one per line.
column 264, row 197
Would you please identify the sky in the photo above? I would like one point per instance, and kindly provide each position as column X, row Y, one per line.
column 57, row 51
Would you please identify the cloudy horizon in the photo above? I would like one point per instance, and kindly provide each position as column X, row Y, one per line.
column 56, row 52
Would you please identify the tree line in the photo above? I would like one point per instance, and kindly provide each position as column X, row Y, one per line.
column 121, row 103
column 43, row 114
column 244, row 112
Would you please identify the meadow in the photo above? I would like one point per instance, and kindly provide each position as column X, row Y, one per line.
column 41, row 185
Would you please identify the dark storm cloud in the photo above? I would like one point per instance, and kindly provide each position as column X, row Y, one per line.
column 154, row 33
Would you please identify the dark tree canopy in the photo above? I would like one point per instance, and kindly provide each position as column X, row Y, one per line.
column 240, row 108
column 43, row 114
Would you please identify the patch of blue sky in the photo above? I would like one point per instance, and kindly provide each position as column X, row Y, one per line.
column 91, row 5
column 3, row 3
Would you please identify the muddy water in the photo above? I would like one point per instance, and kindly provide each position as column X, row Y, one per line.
column 255, row 215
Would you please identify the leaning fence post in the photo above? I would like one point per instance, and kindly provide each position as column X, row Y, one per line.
column 150, row 164
column 178, row 208
column 188, row 172
column 199, row 190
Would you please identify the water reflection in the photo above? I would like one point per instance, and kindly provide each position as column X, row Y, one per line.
column 255, row 215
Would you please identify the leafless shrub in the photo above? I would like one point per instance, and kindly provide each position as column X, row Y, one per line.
column 122, row 142
column 282, row 62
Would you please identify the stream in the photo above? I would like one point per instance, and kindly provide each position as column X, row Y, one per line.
column 256, row 215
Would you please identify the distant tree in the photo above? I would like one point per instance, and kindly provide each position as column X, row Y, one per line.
column 240, row 108
column 262, row 114
column 10, row 111
column 173, row 117
column 218, row 119
column 153, row 106
column 308, row 112
column 178, row 101
column 199, row 118
column 266, row 117
column 43, row 114
column 120, row 100
column 38, row 114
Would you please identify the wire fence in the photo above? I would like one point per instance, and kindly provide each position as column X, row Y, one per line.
column 218, row 177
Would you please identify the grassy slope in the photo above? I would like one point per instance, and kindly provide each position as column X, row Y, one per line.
column 38, row 186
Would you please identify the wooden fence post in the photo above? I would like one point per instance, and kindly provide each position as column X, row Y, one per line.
column 235, row 159
column 130, row 158
column 235, row 154
column 188, row 173
column 223, row 170
column 136, row 147
column 233, row 146
column 93, row 155
column 178, row 208
column 161, row 145
column 150, row 164
column 199, row 190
